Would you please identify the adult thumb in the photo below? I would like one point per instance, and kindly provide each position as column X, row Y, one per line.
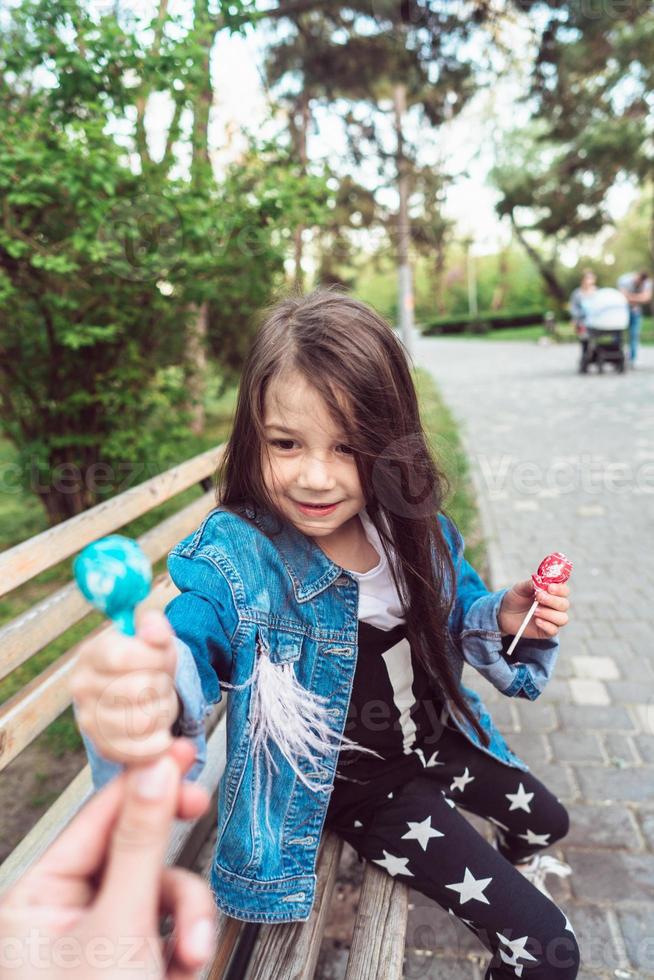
column 135, row 861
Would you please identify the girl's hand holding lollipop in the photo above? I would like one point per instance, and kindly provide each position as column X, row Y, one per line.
column 545, row 595
column 123, row 683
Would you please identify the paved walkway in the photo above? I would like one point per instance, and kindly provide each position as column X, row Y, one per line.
column 564, row 462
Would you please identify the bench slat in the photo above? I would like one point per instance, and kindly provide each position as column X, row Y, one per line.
column 27, row 559
column 377, row 950
column 30, row 711
column 289, row 951
column 28, row 633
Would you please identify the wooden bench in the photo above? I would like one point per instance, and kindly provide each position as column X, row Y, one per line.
column 251, row 950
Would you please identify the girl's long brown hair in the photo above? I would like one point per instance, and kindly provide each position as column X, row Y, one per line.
column 359, row 365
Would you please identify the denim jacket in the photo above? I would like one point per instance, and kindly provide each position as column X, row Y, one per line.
column 274, row 621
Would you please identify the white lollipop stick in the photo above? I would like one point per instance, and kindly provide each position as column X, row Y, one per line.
column 523, row 627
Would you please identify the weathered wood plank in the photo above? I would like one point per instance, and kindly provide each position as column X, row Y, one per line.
column 377, row 949
column 289, row 951
column 27, row 559
column 31, row 710
column 28, row 633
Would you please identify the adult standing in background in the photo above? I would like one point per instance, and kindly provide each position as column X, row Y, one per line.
column 637, row 287
column 587, row 286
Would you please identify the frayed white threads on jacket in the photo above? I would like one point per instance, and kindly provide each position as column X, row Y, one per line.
column 292, row 717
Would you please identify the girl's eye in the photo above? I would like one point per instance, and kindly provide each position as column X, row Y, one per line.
column 287, row 444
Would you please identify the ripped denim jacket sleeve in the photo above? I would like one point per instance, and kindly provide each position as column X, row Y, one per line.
column 474, row 625
column 204, row 619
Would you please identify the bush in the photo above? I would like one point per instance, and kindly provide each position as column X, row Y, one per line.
column 483, row 322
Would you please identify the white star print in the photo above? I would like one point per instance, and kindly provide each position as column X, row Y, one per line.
column 448, row 800
column 390, row 796
column 460, row 782
column 421, row 832
column 393, row 864
column 520, row 800
column 357, row 823
column 568, row 926
column 432, row 759
column 470, row 888
column 517, row 947
column 532, row 838
column 517, row 967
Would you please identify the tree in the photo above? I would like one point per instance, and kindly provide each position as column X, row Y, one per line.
column 592, row 86
column 107, row 255
column 388, row 62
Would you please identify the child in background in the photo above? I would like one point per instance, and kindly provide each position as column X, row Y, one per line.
column 329, row 594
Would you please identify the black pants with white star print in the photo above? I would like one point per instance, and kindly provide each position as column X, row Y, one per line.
column 417, row 833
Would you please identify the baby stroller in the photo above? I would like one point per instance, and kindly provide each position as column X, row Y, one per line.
column 603, row 329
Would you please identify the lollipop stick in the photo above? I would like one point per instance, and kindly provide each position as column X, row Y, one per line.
column 523, row 627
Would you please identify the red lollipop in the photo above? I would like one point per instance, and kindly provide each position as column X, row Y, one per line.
column 553, row 569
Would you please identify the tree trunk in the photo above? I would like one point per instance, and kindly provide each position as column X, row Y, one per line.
column 70, row 489
column 405, row 285
column 502, row 287
column 554, row 287
column 300, row 135
column 195, row 367
column 439, row 276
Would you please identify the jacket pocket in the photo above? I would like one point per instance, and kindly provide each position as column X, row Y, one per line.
column 281, row 646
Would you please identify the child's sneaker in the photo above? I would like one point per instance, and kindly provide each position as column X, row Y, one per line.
column 539, row 867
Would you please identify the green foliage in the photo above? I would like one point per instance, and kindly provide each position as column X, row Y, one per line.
column 106, row 255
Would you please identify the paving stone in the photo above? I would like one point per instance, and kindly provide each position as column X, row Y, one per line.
column 637, row 927
column 609, row 826
column 537, row 716
column 597, row 668
column 620, row 750
column 558, row 689
column 584, row 747
column 532, row 748
column 627, row 691
column 595, row 718
column 646, row 821
column 644, row 717
column 611, row 878
column 645, row 747
column 587, row 691
column 608, row 783
column 597, row 947
column 558, row 779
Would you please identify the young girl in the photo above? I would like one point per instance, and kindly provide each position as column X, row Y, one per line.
column 329, row 594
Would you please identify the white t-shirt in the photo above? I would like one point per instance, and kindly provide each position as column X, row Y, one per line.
column 379, row 602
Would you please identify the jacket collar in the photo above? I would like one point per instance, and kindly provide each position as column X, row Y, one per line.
column 309, row 568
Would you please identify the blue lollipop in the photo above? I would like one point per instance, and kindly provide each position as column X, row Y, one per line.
column 114, row 575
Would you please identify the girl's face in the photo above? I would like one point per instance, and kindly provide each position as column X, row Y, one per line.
column 306, row 461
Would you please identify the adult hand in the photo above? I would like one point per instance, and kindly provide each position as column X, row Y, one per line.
column 548, row 618
column 89, row 908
